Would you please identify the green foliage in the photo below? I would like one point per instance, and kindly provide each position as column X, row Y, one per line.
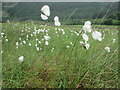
column 113, row 16
column 118, row 14
column 108, row 22
column 85, row 11
column 31, row 11
column 111, row 22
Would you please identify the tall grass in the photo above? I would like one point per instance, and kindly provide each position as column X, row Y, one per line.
column 72, row 67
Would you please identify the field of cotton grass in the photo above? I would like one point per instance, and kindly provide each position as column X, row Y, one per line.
column 60, row 56
column 39, row 56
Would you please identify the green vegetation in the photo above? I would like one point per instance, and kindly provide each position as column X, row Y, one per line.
column 85, row 11
column 73, row 67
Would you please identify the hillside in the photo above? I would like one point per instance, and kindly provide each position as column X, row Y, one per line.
column 31, row 10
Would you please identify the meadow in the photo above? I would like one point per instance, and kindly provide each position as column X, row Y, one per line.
column 61, row 62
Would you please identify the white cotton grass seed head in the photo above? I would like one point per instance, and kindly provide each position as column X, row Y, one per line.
column 2, row 33
column 30, row 44
column 36, row 39
column 97, row 35
column 46, row 37
column 57, row 23
column 40, row 49
column 56, row 32
column 81, row 42
column 56, row 18
column 71, row 43
column 45, row 10
column 1, row 52
column 17, row 43
column 27, row 36
column 47, row 34
column 87, row 28
column 113, row 40
column 85, row 37
column 39, row 42
column 31, row 35
column 42, row 39
column 87, row 23
column 77, row 34
column 87, row 45
column 107, row 48
column 37, row 48
column 67, row 46
column 6, row 40
column 52, row 49
column 63, row 32
column 21, row 58
column 44, row 17
column 24, row 42
column 100, row 39
column 46, row 43
column 36, row 45
column 56, row 28
column 21, row 43
column 20, row 39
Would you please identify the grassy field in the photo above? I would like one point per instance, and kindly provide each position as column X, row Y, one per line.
column 63, row 63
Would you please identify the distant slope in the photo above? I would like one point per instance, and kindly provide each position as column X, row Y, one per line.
column 31, row 10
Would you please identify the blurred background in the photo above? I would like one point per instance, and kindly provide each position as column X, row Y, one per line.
column 93, row 11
